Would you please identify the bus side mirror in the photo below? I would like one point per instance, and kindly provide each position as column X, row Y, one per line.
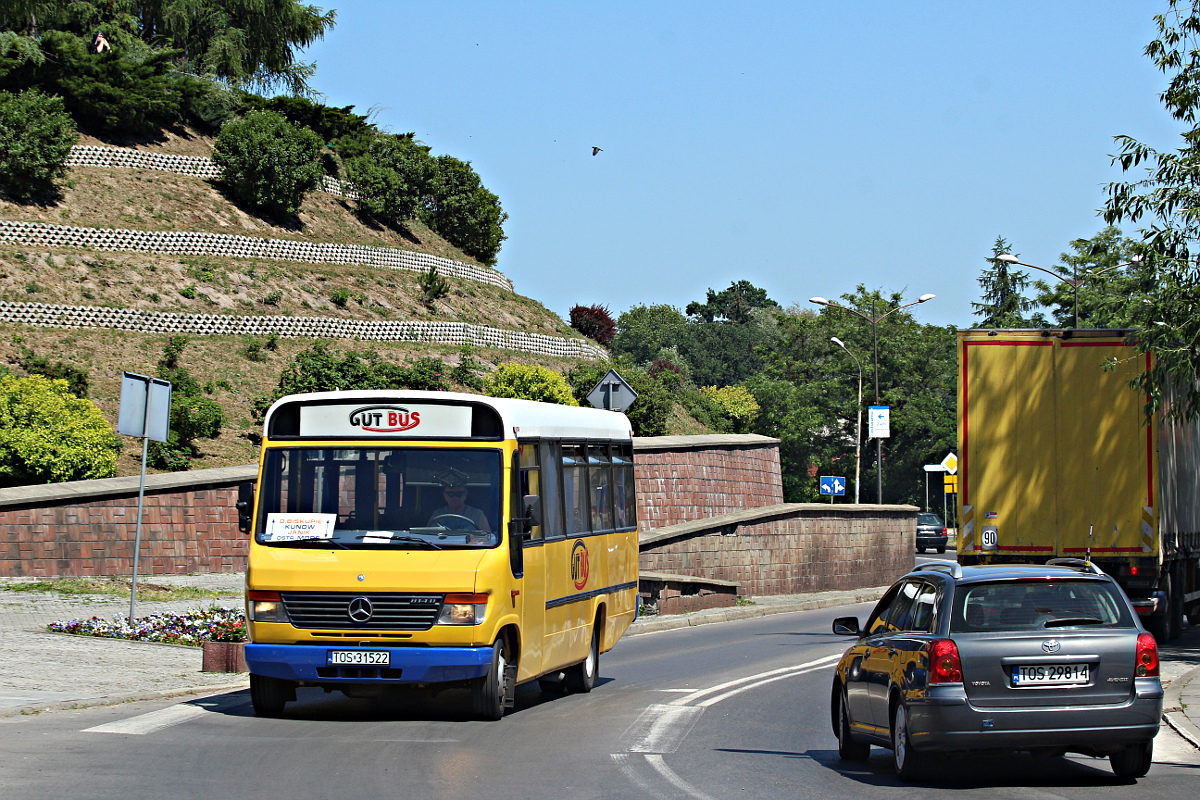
column 532, row 505
column 245, row 506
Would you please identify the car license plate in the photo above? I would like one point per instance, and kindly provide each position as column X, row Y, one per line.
column 1050, row 674
column 374, row 658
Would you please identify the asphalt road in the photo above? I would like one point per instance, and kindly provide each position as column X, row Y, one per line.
column 737, row 709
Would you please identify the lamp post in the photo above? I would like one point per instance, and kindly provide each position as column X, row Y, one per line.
column 1074, row 281
column 874, row 320
column 858, row 425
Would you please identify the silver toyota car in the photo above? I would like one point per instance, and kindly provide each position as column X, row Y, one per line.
column 1046, row 658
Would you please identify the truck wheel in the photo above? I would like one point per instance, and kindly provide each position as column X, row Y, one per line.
column 270, row 695
column 1175, row 605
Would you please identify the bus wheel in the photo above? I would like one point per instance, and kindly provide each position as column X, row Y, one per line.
column 487, row 693
column 582, row 677
column 270, row 695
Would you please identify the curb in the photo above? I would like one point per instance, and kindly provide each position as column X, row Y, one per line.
column 672, row 622
column 1173, row 713
column 118, row 699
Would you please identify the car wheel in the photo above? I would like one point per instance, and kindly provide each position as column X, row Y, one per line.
column 487, row 693
column 848, row 749
column 942, row 549
column 920, row 549
column 270, row 695
column 909, row 764
column 1132, row 762
column 582, row 677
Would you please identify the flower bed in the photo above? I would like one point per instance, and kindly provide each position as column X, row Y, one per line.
column 191, row 628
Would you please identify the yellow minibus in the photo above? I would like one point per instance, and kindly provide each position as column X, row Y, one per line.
column 437, row 539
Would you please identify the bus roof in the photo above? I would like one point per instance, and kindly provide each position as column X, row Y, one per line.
column 520, row 418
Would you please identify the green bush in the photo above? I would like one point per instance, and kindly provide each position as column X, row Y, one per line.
column 433, row 286
column 529, row 382
column 392, row 179
column 268, row 163
column 76, row 378
column 48, row 435
column 465, row 213
column 736, row 403
column 36, row 135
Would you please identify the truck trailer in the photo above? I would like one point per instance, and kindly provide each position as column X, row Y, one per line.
column 1057, row 459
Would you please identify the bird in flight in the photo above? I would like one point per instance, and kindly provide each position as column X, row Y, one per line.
column 596, row 150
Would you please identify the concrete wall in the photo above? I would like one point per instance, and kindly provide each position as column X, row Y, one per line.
column 791, row 548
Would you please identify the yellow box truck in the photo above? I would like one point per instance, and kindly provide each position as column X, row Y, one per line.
column 1057, row 460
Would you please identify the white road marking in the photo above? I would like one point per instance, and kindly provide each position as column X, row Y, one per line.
column 626, row 765
column 677, row 691
column 153, row 721
column 753, row 680
column 661, row 728
column 657, row 762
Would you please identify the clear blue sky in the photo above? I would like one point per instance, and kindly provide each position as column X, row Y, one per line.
column 803, row 146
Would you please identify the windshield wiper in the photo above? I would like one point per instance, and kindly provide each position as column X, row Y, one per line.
column 409, row 539
column 1063, row 622
column 310, row 540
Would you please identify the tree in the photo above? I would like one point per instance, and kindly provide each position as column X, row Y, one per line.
column 48, row 435
column 594, row 322
column 465, row 213
column 529, row 382
column 393, row 179
column 733, row 304
column 36, row 135
column 1111, row 283
column 1004, row 303
column 643, row 331
column 1164, row 201
column 267, row 162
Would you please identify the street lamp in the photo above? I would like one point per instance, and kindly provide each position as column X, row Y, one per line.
column 874, row 320
column 1074, row 281
column 858, row 425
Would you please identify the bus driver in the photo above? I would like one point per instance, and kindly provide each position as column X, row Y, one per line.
column 455, row 495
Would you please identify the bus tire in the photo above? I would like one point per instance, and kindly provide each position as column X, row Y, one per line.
column 582, row 677
column 270, row 695
column 487, row 693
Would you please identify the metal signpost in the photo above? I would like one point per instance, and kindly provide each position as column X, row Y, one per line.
column 145, row 413
column 612, row 393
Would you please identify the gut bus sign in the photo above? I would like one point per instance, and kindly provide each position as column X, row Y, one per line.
column 384, row 419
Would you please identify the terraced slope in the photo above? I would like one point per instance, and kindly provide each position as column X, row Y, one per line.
column 131, row 256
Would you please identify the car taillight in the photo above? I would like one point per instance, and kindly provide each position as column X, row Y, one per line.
column 1146, row 665
column 944, row 664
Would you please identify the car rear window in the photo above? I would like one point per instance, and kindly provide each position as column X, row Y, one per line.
column 929, row 519
column 1041, row 605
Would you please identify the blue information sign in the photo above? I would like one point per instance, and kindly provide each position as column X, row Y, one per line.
column 833, row 485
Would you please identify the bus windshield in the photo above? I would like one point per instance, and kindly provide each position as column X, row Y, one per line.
column 380, row 497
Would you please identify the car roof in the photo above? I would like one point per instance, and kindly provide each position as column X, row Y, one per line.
column 1000, row 572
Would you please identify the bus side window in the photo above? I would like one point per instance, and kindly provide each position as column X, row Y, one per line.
column 551, row 473
column 600, row 485
column 624, row 498
column 530, row 482
column 575, row 489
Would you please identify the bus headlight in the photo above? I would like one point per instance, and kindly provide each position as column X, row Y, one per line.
column 266, row 607
column 463, row 609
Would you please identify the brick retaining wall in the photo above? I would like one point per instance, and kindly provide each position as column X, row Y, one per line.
column 684, row 478
column 790, row 548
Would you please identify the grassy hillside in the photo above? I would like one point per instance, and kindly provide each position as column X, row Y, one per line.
column 234, row 370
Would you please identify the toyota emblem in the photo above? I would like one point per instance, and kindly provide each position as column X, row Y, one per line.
column 360, row 610
column 1050, row 645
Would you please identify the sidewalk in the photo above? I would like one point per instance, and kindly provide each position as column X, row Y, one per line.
column 42, row 671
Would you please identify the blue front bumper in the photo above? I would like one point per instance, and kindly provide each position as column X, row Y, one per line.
column 294, row 662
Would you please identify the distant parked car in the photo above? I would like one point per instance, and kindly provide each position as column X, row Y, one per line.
column 931, row 532
column 1046, row 659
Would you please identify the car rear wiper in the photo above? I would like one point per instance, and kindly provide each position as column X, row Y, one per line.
column 410, row 539
column 308, row 541
column 1063, row 622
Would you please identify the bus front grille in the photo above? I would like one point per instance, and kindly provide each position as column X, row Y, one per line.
column 366, row 612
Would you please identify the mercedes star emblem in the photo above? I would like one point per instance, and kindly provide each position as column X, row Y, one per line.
column 359, row 610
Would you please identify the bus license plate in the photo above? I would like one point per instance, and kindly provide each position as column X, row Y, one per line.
column 1050, row 675
column 374, row 658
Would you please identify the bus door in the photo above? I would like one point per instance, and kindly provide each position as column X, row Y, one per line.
column 532, row 600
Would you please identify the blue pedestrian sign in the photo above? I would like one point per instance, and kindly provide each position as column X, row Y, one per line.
column 832, row 485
